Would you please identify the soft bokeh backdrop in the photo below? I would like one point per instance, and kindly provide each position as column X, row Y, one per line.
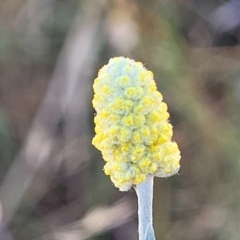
column 52, row 184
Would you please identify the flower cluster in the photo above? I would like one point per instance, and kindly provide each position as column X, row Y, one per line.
column 132, row 128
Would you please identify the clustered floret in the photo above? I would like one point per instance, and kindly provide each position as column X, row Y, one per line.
column 132, row 128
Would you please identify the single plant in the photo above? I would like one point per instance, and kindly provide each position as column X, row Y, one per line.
column 133, row 133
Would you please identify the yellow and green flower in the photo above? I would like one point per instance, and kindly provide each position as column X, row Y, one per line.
column 131, row 124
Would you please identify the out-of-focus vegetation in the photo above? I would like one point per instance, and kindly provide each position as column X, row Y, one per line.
column 52, row 184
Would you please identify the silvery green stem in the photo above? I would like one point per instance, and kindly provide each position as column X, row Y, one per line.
column 145, row 198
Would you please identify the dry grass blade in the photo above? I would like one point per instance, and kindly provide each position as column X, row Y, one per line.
column 96, row 221
column 37, row 147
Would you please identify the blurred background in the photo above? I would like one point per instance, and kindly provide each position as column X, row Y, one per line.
column 52, row 186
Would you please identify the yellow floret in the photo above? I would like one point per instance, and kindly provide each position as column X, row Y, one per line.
column 126, row 147
column 133, row 93
column 153, row 168
column 124, row 134
column 128, row 69
column 123, row 81
column 145, row 162
column 118, row 166
column 136, row 137
column 139, row 120
column 104, row 114
column 107, row 169
column 137, row 153
column 118, row 103
column 154, row 117
column 113, row 131
column 114, row 118
column 139, row 150
column 139, row 178
column 107, row 90
column 145, row 76
column 148, row 101
column 145, row 132
column 128, row 120
column 130, row 92
column 127, row 105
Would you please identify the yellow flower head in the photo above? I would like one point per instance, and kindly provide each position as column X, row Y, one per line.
column 132, row 128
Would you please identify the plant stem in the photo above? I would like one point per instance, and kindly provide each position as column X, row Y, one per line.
column 145, row 199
